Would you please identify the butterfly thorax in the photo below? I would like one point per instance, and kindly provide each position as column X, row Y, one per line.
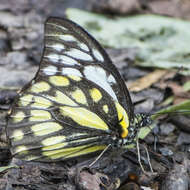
column 139, row 121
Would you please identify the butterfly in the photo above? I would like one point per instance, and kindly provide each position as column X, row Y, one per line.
column 76, row 105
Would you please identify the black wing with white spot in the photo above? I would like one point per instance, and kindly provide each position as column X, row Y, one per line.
column 70, row 49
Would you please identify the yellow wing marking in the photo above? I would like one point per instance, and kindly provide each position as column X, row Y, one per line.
column 45, row 128
column 105, row 108
column 72, row 152
column 39, row 115
column 123, row 117
column 53, row 143
column 21, row 149
column 31, row 157
column 57, row 142
column 55, row 146
column 59, row 80
column 79, row 96
column 95, row 94
column 18, row 117
column 84, row 117
column 40, row 87
column 73, row 77
column 25, row 100
column 40, row 102
column 62, row 99
column 17, row 135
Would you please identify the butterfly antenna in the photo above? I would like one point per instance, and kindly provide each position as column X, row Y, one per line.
column 99, row 156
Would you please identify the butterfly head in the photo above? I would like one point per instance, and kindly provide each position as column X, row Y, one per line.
column 143, row 120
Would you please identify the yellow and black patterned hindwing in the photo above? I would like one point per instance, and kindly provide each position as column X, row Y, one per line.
column 77, row 103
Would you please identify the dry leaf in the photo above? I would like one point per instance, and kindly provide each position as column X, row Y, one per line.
column 146, row 81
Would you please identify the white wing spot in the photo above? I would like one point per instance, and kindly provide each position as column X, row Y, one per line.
column 98, row 76
column 50, row 70
column 57, row 47
column 67, row 60
column 61, row 59
column 111, row 79
column 56, row 25
column 97, row 55
column 67, row 37
column 71, row 71
column 83, row 46
column 79, row 55
column 52, row 57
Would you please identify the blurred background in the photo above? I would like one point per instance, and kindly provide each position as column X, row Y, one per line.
column 22, row 22
column 148, row 41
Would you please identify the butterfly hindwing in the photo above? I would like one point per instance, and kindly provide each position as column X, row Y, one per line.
column 47, row 118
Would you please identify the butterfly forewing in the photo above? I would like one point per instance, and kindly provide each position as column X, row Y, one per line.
column 68, row 45
column 72, row 106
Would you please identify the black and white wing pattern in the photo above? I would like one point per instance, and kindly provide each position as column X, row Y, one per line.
column 71, row 45
column 77, row 103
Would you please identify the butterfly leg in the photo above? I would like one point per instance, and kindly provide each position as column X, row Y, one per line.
column 139, row 157
column 99, row 156
column 148, row 158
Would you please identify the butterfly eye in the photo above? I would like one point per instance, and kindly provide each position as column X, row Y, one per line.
column 145, row 120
